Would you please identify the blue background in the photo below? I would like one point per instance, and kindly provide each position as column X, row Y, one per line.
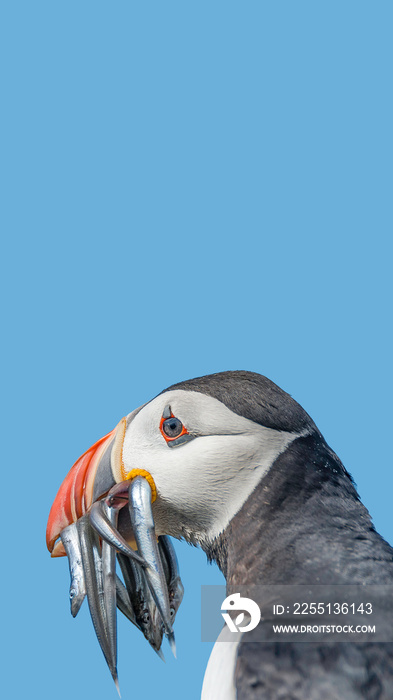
column 186, row 188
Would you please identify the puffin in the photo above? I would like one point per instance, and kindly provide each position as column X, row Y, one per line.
column 242, row 471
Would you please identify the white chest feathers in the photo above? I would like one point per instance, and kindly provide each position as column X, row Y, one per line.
column 219, row 680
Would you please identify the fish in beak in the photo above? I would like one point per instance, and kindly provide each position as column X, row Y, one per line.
column 84, row 525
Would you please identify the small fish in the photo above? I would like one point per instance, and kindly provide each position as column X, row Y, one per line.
column 70, row 539
column 123, row 602
column 108, row 557
column 172, row 574
column 141, row 515
column 147, row 617
column 98, row 515
column 93, row 570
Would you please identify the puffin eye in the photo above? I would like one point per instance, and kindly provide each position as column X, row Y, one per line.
column 172, row 427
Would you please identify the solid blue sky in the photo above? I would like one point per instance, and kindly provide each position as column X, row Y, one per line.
column 187, row 188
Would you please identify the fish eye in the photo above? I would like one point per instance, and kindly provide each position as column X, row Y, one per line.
column 72, row 593
column 146, row 617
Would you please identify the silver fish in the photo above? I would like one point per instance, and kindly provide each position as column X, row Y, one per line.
column 123, row 602
column 143, row 525
column 108, row 557
column 70, row 539
column 172, row 574
column 147, row 617
column 106, row 530
column 92, row 567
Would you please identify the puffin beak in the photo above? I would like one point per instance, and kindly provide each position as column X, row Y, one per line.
column 75, row 494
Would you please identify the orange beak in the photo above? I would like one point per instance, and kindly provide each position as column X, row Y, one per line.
column 75, row 495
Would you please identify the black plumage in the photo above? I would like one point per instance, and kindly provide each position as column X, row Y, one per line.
column 303, row 524
column 253, row 396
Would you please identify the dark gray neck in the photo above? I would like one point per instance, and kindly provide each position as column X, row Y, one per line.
column 304, row 523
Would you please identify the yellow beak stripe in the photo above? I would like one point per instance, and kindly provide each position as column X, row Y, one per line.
column 146, row 475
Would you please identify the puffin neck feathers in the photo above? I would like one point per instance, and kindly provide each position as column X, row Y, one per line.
column 304, row 523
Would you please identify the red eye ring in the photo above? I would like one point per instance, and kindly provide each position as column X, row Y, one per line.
column 184, row 430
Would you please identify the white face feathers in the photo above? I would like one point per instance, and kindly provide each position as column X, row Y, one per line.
column 204, row 479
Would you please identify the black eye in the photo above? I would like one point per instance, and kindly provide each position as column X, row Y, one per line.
column 172, row 427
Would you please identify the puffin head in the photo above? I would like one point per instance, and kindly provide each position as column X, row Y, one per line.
column 207, row 443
